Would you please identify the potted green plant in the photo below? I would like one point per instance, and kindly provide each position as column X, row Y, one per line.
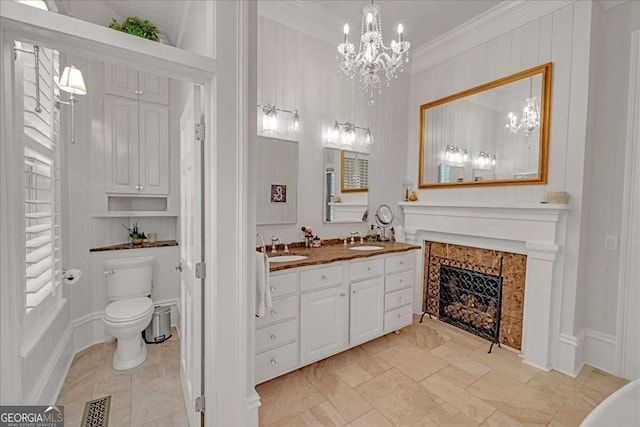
column 137, row 27
column 137, row 236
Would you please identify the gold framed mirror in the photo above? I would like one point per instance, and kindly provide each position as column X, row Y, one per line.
column 493, row 134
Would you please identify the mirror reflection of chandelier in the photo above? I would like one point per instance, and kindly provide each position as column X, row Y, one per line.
column 376, row 63
column 530, row 116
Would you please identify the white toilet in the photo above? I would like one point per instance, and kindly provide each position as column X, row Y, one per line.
column 130, row 309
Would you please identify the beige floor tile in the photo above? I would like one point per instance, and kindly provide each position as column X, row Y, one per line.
column 120, row 410
column 569, row 415
column 292, row 421
column 401, row 400
column 73, row 413
column 412, row 361
column 369, row 362
column 457, row 376
column 285, row 397
column 113, row 382
column 458, row 398
column 598, row 385
column 155, row 399
column 424, row 336
column 563, row 387
column 150, row 371
column 323, row 415
column 354, row 374
column 446, row 415
column 385, row 342
column 505, row 361
column 176, row 419
column 499, row 419
column 517, row 400
column 467, row 343
column 344, row 399
column 463, row 362
column 371, row 419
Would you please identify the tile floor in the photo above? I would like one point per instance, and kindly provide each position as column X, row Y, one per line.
column 431, row 374
column 148, row 395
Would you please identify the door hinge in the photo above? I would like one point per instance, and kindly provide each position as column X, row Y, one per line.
column 201, row 270
column 200, row 131
column 200, row 402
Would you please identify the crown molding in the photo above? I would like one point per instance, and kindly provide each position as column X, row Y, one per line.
column 496, row 21
column 304, row 16
column 610, row 4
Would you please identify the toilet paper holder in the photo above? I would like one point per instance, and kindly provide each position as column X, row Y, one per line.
column 71, row 276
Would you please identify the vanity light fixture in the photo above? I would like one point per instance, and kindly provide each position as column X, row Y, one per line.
column 530, row 119
column 71, row 82
column 455, row 155
column 270, row 117
column 485, row 160
column 346, row 133
column 375, row 63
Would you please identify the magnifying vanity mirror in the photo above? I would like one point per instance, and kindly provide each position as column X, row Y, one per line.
column 384, row 219
column 346, row 185
column 493, row 134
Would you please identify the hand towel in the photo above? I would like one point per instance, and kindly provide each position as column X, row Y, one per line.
column 263, row 291
column 399, row 234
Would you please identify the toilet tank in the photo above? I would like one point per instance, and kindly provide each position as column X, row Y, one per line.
column 128, row 277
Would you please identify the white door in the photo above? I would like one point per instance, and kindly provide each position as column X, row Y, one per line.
column 121, row 144
column 191, row 232
column 367, row 309
column 323, row 323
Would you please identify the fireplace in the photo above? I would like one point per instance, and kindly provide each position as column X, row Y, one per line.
column 471, row 301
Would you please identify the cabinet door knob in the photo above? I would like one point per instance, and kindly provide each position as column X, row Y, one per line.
column 399, row 316
column 273, row 312
column 401, row 281
column 342, row 294
column 354, row 292
column 324, row 277
column 273, row 289
column 141, row 187
column 273, row 337
column 273, row 362
column 368, row 268
column 399, row 298
column 401, row 262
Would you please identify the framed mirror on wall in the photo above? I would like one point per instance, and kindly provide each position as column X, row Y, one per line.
column 276, row 181
column 493, row 134
column 346, row 185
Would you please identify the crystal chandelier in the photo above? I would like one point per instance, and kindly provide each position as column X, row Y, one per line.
column 375, row 63
column 530, row 116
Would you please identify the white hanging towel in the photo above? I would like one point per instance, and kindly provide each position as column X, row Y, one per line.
column 399, row 233
column 263, row 291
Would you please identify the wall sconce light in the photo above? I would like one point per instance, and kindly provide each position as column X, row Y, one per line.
column 455, row 155
column 485, row 160
column 71, row 82
column 346, row 133
column 270, row 117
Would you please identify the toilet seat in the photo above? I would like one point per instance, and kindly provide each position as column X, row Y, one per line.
column 128, row 310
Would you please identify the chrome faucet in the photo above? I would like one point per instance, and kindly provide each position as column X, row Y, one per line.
column 274, row 241
column 355, row 233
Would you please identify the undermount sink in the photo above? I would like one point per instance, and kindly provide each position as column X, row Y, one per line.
column 286, row 258
column 366, row 248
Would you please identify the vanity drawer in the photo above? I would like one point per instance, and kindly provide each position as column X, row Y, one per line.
column 275, row 335
column 365, row 269
column 282, row 309
column 398, row 299
column 398, row 281
column 321, row 277
column 400, row 262
column 283, row 284
column 398, row 318
column 276, row 361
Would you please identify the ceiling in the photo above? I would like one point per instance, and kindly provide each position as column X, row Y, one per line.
column 166, row 15
column 423, row 20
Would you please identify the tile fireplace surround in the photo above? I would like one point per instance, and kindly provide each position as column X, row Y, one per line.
column 535, row 230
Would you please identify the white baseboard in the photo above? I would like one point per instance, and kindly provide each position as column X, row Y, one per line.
column 80, row 334
column 570, row 349
column 600, row 350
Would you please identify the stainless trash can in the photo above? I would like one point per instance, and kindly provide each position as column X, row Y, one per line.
column 159, row 329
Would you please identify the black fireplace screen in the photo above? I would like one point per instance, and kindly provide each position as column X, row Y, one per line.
column 471, row 301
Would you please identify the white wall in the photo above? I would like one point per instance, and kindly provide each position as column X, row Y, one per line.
column 604, row 170
column 561, row 37
column 298, row 71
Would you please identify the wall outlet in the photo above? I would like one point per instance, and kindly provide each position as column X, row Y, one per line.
column 610, row 243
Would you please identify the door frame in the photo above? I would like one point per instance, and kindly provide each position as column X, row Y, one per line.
column 227, row 93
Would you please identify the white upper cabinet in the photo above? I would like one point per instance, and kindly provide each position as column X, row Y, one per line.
column 323, row 323
column 367, row 310
column 154, row 149
column 121, row 145
column 122, row 81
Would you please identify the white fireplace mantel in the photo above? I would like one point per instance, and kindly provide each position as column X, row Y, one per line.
column 536, row 230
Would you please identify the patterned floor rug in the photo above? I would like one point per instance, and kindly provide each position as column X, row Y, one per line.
column 96, row 413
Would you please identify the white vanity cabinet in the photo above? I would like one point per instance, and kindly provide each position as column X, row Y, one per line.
column 321, row 310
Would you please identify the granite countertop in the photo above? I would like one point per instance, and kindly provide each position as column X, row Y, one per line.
column 126, row 246
column 332, row 252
